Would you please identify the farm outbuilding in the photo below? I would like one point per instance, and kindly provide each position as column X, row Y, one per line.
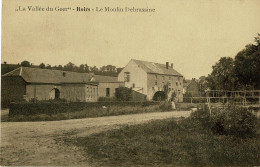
column 26, row 83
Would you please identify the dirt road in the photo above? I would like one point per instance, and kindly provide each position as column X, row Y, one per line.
column 35, row 143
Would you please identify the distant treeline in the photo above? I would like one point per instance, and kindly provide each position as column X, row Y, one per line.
column 108, row 70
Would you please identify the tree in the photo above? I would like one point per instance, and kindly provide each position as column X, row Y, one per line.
column 82, row 68
column 86, row 68
column 42, row 65
column 239, row 73
column 247, row 66
column 69, row 67
column 48, row 66
column 222, row 75
column 25, row 63
column 119, row 70
column 123, row 94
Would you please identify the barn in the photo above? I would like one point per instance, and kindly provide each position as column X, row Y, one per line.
column 27, row 83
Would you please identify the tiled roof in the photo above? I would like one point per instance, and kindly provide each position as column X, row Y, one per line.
column 156, row 68
column 38, row 75
column 101, row 78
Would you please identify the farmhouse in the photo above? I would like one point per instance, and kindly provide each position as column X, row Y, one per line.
column 148, row 78
column 44, row 84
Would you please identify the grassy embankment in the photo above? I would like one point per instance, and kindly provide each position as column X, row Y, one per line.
column 169, row 143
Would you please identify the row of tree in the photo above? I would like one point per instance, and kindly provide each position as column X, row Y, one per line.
column 239, row 73
column 108, row 70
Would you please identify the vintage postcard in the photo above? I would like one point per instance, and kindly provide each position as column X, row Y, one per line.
column 130, row 83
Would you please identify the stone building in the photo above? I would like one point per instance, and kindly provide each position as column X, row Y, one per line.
column 44, row 84
column 191, row 88
column 148, row 78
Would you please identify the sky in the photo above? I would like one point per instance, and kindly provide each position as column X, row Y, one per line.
column 192, row 35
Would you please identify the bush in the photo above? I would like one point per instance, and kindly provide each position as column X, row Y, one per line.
column 107, row 99
column 194, row 100
column 201, row 117
column 50, row 108
column 86, row 113
column 123, row 94
column 165, row 106
column 235, row 121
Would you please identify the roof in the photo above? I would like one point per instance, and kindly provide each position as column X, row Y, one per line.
column 38, row 75
column 101, row 78
column 156, row 68
column 186, row 83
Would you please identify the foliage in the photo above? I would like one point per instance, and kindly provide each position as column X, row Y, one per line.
column 42, row 65
column 235, row 121
column 165, row 106
column 167, row 143
column 54, row 107
column 159, row 96
column 108, row 70
column 222, row 75
column 123, row 94
column 242, row 72
column 201, row 118
column 247, row 67
column 98, row 111
column 173, row 96
column 25, row 63
column 107, row 99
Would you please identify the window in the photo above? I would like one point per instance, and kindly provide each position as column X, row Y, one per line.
column 163, row 78
column 155, row 83
column 180, row 83
column 169, row 89
column 153, row 88
column 127, row 76
column 176, row 83
column 169, row 78
column 169, row 84
column 133, row 85
column 107, row 92
column 156, row 77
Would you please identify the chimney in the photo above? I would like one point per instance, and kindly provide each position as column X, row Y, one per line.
column 167, row 65
column 172, row 65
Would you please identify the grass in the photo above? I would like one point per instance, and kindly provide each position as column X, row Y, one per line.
column 88, row 113
column 168, row 143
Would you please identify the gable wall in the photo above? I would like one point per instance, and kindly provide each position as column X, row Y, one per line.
column 12, row 89
column 193, row 89
column 137, row 76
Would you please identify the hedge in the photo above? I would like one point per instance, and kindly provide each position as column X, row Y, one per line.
column 29, row 108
